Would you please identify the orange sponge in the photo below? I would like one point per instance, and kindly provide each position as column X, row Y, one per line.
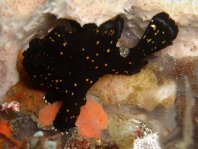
column 48, row 113
column 5, row 128
column 92, row 120
column 6, row 136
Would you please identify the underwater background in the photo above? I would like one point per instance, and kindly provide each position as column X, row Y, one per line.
column 98, row 74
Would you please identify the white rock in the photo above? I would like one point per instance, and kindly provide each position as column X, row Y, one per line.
column 150, row 141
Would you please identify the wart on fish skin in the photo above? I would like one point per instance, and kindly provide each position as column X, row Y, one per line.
column 67, row 63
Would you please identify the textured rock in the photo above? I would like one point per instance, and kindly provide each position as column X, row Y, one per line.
column 20, row 20
column 13, row 16
column 142, row 90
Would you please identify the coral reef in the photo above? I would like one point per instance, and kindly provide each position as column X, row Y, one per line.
column 156, row 107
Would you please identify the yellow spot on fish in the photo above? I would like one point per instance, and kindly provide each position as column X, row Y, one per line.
column 105, row 64
column 105, row 32
column 157, row 32
column 72, row 93
column 87, row 80
column 97, row 30
column 163, row 41
column 97, row 42
column 111, row 32
column 52, row 40
column 91, row 82
column 61, row 53
column 130, row 63
column 153, row 26
column 87, row 57
column 111, row 42
column 75, row 84
column 64, row 44
column 92, row 60
column 97, row 54
column 67, row 110
column 66, row 91
column 108, row 50
column 83, row 49
column 96, row 67
column 72, row 117
column 148, row 40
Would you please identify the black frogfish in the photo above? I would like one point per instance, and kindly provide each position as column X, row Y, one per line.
column 67, row 63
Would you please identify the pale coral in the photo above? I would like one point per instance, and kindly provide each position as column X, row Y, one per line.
column 13, row 16
column 9, row 8
column 141, row 90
